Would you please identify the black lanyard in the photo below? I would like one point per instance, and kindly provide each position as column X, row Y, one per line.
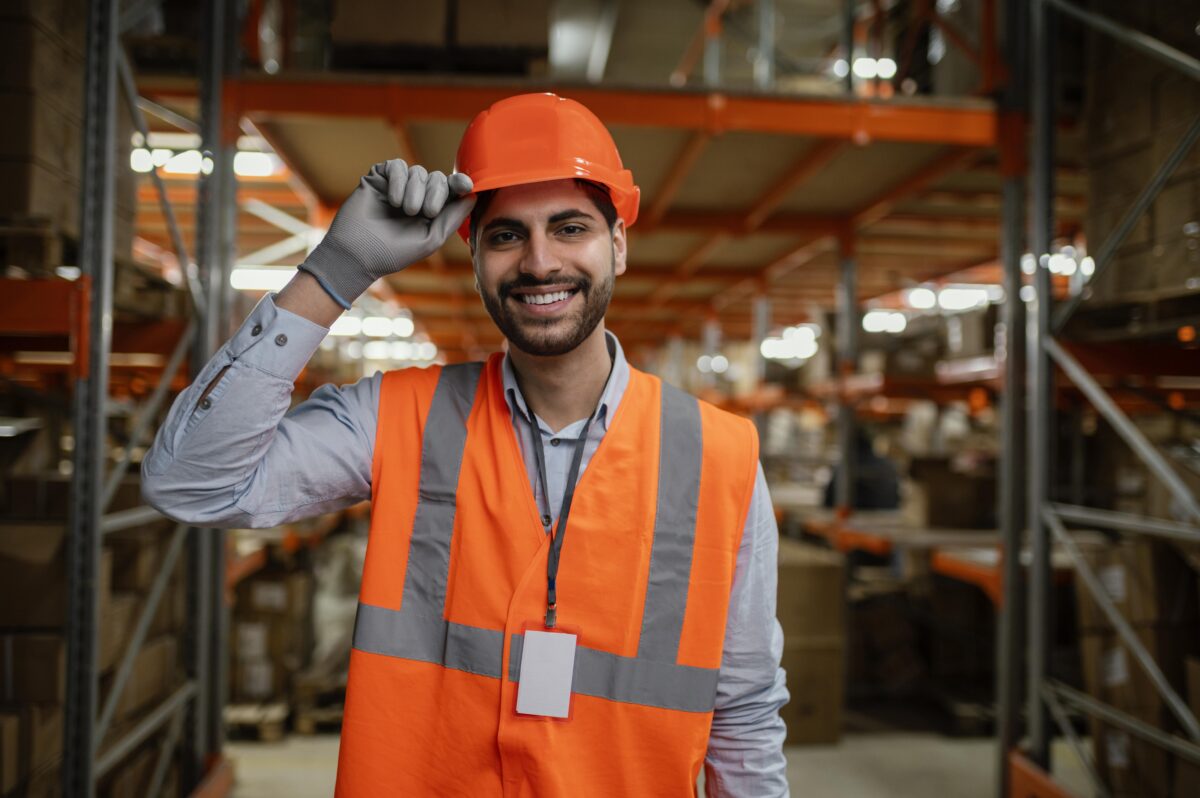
column 556, row 542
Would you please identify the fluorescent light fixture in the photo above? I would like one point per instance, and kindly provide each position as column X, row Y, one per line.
column 377, row 326
column 1028, row 293
column 261, row 278
column 188, row 162
column 426, row 351
column 376, row 350
column 704, row 363
column 841, row 68
column 401, row 350
column 1087, row 266
column 886, row 68
column 962, row 297
column 788, row 348
column 68, row 272
column 720, row 364
column 866, row 68
column 141, row 160
column 253, row 164
column 403, row 327
column 801, row 332
column 879, row 321
column 921, row 298
column 346, row 325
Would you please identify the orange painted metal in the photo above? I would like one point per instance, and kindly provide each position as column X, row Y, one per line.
column 966, row 125
column 809, row 164
column 218, row 781
column 936, row 169
column 676, row 174
column 988, row 578
column 1027, row 780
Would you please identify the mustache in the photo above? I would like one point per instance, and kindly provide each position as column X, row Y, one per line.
column 581, row 284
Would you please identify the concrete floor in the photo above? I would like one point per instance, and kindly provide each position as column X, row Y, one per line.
column 878, row 765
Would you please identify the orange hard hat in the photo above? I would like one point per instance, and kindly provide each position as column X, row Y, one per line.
column 535, row 137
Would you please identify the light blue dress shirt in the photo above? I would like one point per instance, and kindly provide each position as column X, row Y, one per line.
column 242, row 458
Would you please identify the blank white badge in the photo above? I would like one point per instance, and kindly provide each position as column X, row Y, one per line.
column 547, row 667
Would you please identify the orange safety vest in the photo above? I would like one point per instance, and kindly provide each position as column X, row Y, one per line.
column 456, row 568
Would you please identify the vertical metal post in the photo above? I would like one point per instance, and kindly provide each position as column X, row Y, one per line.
column 848, row 323
column 1010, row 648
column 761, row 328
column 204, row 649
column 764, row 59
column 1042, row 88
column 712, row 52
column 849, row 17
column 89, row 403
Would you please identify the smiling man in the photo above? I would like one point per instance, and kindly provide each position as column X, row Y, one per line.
column 569, row 587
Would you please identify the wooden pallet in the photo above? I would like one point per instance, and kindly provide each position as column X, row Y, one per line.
column 310, row 720
column 264, row 722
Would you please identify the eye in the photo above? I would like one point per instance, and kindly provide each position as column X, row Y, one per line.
column 572, row 229
column 502, row 237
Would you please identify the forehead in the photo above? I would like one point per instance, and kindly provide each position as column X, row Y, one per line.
column 533, row 201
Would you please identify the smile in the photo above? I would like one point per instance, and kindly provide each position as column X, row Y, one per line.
column 546, row 299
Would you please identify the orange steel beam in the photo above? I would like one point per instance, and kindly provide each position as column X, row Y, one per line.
column 808, row 165
column 295, row 178
column 882, row 205
column 709, row 26
column 678, row 172
column 967, row 125
column 956, row 37
column 1027, row 780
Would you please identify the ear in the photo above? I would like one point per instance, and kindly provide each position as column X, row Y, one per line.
column 620, row 244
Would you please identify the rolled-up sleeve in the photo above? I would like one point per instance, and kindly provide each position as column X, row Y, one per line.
column 745, row 748
column 232, row 454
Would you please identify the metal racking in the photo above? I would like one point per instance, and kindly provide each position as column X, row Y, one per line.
column 191, row 714
column 1047, row 699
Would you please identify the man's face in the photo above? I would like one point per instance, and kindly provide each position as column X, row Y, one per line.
column 545, row 261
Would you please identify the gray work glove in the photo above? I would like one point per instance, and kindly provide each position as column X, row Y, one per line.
column 398, row 215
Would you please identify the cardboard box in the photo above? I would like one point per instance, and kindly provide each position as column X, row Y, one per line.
column 47, row 496
column 1129, row 765
column 136, row 554
column 276, row 594
column 258, row 680
column 1113, row 675
column 943, row 497
column 131, row 777
column 10, row 750
column 816, row 682
column 41, row 737
column 33, row 57
column 811, row 593
column 153, row 677
column 1187, row 774
column 33, row 667
column 116, row 628
column 33, row 575
column 1149, row 582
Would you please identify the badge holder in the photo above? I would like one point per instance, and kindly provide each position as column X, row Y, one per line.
column 547, row 672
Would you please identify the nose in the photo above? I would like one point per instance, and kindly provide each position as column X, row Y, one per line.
column 540, row 260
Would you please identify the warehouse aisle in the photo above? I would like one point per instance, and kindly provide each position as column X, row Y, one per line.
column 892, row 765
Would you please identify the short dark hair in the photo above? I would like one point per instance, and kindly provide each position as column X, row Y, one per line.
column 598, row 194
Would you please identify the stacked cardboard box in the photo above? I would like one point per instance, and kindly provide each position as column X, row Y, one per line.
column 33, row 611
column 1137, row 111
column 1154, row 589
column 811, row 610
column 271, row 634
column 42, row 48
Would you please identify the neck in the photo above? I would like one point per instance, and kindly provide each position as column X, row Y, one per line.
column 562, row 389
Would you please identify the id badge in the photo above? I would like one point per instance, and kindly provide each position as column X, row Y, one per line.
column 547, row 671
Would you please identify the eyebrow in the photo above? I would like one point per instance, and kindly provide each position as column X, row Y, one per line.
column 516, row 224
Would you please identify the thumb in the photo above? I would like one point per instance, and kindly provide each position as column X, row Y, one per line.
column 450, row 219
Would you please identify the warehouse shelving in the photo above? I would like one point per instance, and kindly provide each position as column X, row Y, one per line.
column 1024, row 770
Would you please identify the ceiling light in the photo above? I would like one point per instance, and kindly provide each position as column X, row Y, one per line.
column 403, row 327
column 866, row 68
column 140, row 160
column 260, row 278
column 921, row 298
column 720, row 364
column 377, row 326
column 253, row 164
column 346, row 325
column 887, row 68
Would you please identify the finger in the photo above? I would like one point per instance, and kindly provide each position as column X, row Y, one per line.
column 397, row 171
column 460, row 184
column 450, row 219
column 376, row 179
column 414, row 193
column 436, row 193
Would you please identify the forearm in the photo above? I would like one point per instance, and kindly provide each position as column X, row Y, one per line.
column 305, row 297
column 220, row 458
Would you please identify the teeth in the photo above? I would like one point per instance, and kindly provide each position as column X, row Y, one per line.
column 545, row 299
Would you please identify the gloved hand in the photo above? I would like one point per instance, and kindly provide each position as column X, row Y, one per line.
column 398, row 215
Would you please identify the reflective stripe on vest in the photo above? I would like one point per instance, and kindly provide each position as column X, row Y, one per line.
column 418, row 631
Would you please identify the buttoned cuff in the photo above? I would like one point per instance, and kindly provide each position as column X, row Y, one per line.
column 275, row 340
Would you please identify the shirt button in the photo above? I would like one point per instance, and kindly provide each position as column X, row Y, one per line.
column 257, row 329
column 280, row 340
column 205, row 403
column 546, row 520
column 554, row 441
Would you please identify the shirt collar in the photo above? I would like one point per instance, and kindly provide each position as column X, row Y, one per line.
column 614, row 389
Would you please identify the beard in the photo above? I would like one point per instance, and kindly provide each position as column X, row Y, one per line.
column 550, row 337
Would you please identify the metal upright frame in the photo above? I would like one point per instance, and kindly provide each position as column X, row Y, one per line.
column 1047, row 699
column 88, row 752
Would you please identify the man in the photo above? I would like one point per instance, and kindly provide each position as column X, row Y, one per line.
column 570, row 579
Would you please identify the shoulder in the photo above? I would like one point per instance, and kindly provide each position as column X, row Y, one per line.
column 718, row 426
